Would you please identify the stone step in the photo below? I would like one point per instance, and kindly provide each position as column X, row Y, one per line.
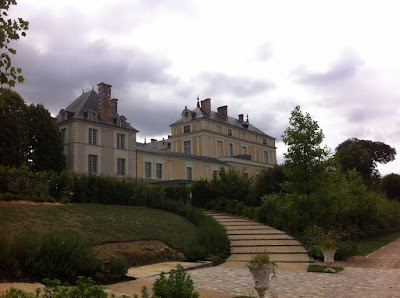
column 283, row 257
column 259, row 237
column 240, row 225
column 266, row 242
column 270, row 249
column 249, row 228
column 266, row 245
column 255, row 232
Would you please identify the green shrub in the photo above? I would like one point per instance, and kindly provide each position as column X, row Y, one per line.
column 14, row 293
column 63, row 255
column 346, row 249
column 209, row 239
column 117, row 267
column 176, row 285
column 314, row 251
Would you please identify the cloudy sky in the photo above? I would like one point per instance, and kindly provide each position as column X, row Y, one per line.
column 338, row 60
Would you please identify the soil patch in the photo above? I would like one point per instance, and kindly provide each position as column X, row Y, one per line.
column 139, row 253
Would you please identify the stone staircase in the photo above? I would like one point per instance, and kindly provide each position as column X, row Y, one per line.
column 248, row 238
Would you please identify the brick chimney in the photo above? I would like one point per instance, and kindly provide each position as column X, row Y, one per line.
column 223, row 111
column 104, row 101
column 206, row 105
column 241, row 117
column 114, row 105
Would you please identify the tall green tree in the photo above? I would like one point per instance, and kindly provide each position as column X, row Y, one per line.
column 13, row 129
column 44, row 141
column 305, row 166
column 305, row 159
column 10, row 30
column 390, row 185
column 28, row 135
column 379, row 152
column 267, row 182
column 355, row 157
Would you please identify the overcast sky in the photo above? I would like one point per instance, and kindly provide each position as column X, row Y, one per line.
column 338, row 60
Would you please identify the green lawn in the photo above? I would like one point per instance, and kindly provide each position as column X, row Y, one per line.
column 370, row 245
column 98, row 223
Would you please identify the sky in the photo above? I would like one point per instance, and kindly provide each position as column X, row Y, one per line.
column 338, row 60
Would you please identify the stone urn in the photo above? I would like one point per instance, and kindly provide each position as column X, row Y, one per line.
column 261, row 273
column 329, row 255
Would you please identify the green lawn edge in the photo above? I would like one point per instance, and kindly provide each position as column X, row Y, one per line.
column 321, row 268
column 368, row 246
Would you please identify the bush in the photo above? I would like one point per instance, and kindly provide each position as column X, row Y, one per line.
column 63, row 255
column 117, row 267
column 209, row 239
column 176, row 285
column 346, row 249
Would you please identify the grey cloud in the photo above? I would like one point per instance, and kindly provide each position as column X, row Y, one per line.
column 48, row 78
column 264, row 52
column 343, row 69
column 219, row 83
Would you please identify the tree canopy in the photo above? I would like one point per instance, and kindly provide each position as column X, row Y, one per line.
column 13, row 138
column 305, row 159
column 9, row 30
column 44, row 141
column 28, row 135
column 363, row 155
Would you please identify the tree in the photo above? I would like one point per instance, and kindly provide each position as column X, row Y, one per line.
column 379, row 153
column 305, row 159
column 355, row 157
column 390, row 185
column 13, row 132
column 28, row 135
column 9, row 30
column 304, row 167
column 44, row 141
column 269, row 181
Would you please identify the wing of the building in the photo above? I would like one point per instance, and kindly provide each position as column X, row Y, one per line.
column 99, row 140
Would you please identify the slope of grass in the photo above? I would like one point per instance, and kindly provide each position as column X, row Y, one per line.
column 97, row 223
column 370, row 245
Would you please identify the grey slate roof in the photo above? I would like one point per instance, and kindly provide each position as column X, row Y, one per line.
column 79, row 108
column 144, row 148
column 199, row 113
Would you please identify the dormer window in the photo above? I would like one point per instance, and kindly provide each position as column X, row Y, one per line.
column 186, row 115
column 63, row 115
column 92, row 116
column 121, row 121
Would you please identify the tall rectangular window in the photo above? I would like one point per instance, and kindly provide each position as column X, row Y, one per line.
column 186, row 147
column 92, row 166
column 189, row 173
column 120, row 141
column 186, row 128
column 229, row 132
column 92, row 136
column 147, row 169
column 230, row 149
column 121, row 166
column 264, row 141
column 159, row 170
column 64, row 135
column 266, row 156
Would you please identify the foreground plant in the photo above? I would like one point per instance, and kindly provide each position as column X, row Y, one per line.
column 261, row 267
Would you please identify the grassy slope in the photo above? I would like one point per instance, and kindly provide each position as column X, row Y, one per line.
column 370, row 245
column 98, row 223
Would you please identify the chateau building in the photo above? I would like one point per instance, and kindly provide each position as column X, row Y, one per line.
column 99, row 140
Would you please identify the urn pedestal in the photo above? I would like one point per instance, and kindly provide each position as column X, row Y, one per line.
column 261, row 277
